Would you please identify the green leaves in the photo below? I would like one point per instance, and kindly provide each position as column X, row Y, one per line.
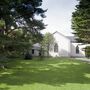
column 47, row 42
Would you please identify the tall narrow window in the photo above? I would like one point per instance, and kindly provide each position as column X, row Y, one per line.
column 56, row 47
column 32, row 51
column 77, row 49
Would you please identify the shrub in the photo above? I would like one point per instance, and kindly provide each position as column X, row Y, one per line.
column 28, row 56
column 87, row 51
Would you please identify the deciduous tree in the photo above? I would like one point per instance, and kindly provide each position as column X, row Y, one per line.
column 47, row 42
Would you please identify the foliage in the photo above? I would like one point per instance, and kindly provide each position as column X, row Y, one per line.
column 28, row 56
column 87, row 51
column 81, row 21
column 19, row 28
column 47, row 42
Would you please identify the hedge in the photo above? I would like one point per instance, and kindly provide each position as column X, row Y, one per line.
column 87, row 51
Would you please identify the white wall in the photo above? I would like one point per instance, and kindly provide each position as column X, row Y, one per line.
column 81, row 50
column 36, row 53
column 63, row 44
column 36, row 48
column 65, row 47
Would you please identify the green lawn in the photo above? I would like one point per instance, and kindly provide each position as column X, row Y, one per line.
column 46, row 74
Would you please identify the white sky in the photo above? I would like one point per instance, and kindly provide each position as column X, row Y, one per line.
column 59, row 15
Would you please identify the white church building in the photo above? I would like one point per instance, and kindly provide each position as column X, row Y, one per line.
column 64, row 46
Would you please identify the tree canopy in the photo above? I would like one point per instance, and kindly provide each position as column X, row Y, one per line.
column 81, row 21
column 47, row 42
column 18, row 24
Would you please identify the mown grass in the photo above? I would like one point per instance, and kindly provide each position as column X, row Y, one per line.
column 45, row 74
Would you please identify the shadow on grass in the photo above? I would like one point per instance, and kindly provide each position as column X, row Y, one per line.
column 4, row 88
column 50, row 72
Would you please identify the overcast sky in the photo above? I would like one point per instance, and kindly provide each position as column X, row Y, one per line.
column 59, row 15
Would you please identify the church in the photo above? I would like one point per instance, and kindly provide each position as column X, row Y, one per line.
column 64, row 46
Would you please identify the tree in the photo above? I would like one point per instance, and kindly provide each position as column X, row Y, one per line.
column 81, row 21
column 47, row 42
column 19, row 28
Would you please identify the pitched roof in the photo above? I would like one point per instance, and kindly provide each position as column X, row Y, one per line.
column 59, row 33
column 71, row 38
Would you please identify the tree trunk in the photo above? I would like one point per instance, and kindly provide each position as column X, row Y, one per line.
column 48, row 50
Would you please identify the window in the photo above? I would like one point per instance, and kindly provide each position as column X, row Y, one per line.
column 56, row 47
column 77, row 49
column 32, row 51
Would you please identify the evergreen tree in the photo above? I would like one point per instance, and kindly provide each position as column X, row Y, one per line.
column 81, row 21
column 19, row 28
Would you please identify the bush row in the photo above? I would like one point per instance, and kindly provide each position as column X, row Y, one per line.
column 87, row 51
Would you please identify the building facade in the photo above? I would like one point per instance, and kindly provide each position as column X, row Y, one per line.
column 64, row 46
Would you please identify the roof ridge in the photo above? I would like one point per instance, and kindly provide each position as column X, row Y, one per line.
column 59, row 33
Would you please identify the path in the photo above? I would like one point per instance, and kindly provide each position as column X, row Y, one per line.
column 83, row 59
